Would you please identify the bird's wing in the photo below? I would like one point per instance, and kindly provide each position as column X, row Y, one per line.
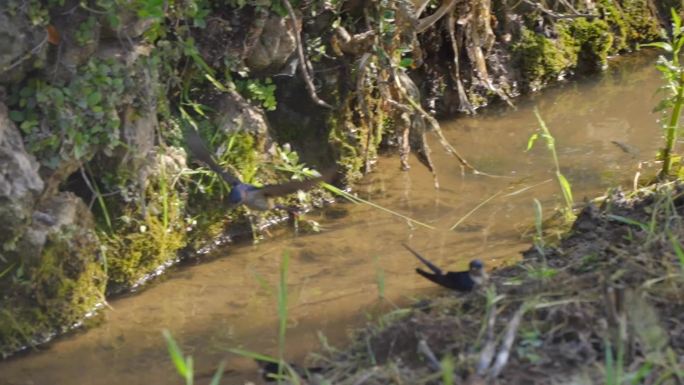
column 273, row 190
column 199, row 149
column 436, row 278
column 427, row 263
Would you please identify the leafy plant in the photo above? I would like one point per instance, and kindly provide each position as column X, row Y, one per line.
column 545, row 134
column 73, row 121
column 673, row 75
column 258, row 91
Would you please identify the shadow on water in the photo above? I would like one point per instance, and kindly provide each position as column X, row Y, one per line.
column 219, row 304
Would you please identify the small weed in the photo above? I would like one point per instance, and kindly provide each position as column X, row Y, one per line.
column 673, row 75
column 541, row 273
column 566, row 189
column 379, row 278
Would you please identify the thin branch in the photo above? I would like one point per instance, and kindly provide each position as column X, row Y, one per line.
column 462, row 97
column 558, row 15
column 302, row 59
column 32, row 52
column 424, row 349
column 509, row 337
column 428, row 21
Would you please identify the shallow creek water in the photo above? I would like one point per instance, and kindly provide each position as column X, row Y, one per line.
column 219, row 304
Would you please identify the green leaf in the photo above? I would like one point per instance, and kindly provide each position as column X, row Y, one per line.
column 567, row 190
column 94, row 99
column 659, row 44
column 176, row 354
column 530, row 142
column 406, row 62
column 678, row 250
column 447, row 370
column 216, row 380
column 627, row 221
column 676, row 22
column 538, row 215
column 17, row 116
column 254, row 355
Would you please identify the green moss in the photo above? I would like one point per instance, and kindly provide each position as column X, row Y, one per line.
column 346, row 143
column 69, row 287
column 541, row 59
column 631, row 22
column 591, row 40
column 643, row 25
column 139, row 246
column 63, row 286
column 618, row 26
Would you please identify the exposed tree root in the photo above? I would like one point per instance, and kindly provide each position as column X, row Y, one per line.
column 303, row 67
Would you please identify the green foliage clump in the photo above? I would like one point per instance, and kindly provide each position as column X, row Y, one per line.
column 541, row 59
column 631, row 22
column 643, row 26
column 72, row 121
column 258, row 91
column 673, row 101
column 140, row 246
column 592, row 40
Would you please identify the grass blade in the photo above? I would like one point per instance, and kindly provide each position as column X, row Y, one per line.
column 484, row 202
column 352, row 198
column 183, row 366
column 216, row 380
column 253, row 355
column 282, row 309
column 447, row 365
column 628, row 221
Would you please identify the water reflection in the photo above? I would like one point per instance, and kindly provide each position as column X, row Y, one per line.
column 219, row 304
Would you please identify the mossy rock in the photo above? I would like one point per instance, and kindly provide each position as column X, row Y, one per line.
column 60, row 278
column 541, row 59
column 592, row 41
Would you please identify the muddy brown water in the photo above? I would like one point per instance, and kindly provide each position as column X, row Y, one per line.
column 216, row 305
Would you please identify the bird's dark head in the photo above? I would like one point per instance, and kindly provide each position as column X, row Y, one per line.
column 477, row 271
column 476, row 264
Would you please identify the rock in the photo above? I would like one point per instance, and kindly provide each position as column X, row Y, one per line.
column 59, row 215
column 61, row 278
column 22, row 46
column 20, row 183
column 274, row 45
column 235, row 114
column 130, row 25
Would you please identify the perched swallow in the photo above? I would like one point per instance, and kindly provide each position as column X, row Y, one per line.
column 454, row 280
column 256, row 198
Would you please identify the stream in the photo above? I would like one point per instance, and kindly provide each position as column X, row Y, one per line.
column 333, row 277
